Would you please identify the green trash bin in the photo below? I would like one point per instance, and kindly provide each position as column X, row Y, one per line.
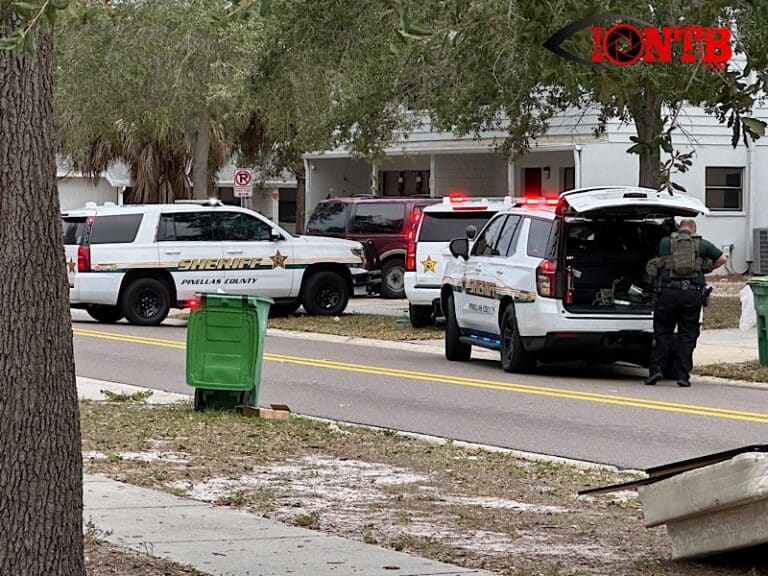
column 225, row 349
column 759, row 288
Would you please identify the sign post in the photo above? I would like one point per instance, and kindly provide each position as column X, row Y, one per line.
column 243, row 184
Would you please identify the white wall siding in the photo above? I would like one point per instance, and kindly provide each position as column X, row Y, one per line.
column 75, row 192
column 472, row 174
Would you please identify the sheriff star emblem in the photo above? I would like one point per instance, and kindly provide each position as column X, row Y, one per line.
column 278, row 260
column 429, row 265
column 72, row 265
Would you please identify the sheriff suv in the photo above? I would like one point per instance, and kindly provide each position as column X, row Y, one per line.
column 427, row 254
column 138, row 262
column 560, row 278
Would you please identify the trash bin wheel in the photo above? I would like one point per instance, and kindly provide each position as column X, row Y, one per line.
column 199, row 400
column 245, row 398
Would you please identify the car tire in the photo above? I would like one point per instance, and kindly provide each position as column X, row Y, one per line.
column 514, row 357
column 325, row 293
column 455, row 349
column 105, row 314
column 420, row 316
column 277, row 310
column 393, row 279
column 146, row 301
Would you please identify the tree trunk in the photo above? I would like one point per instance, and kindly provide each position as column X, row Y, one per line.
column 41, row 501
column 200, row 162
column 646, row 111
column 301, row 197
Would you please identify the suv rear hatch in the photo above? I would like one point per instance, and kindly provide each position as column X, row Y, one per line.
column 436, row 231
column 608, row 235
column 76, row 230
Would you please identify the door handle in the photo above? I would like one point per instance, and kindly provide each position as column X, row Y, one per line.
column 172, row 251
column 478, row 268
column 499, row 270
column 234, row 251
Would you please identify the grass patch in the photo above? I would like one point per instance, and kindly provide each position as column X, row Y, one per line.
column 102, row 559
column 751, row 371
column 480, row 510
column 140, row 396
column 722, row 312
column 358, row 326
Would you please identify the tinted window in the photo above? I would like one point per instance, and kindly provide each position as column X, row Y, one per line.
column 486, row 244
column 236, row 226
column 185, row 227
column 328, row 218
column 74, row 230
column 118, row 229
column 508, row 238
column 445, row 226
column 539, row 244
column 378, row 218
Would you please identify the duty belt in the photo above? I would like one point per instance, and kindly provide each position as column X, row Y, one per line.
column 682, row 285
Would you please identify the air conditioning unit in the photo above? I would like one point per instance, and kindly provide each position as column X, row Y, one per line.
column 760, row 251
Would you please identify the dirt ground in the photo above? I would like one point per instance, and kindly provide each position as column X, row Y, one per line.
column 473, row 508
column 103, row 559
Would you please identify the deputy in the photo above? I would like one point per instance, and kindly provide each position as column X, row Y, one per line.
column 683, row 259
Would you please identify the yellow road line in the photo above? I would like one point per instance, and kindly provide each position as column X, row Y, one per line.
column 463, row 381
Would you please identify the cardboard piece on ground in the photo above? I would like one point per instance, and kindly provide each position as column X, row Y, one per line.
column 274, row 412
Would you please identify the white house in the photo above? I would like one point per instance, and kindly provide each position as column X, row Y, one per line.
column 428, row 163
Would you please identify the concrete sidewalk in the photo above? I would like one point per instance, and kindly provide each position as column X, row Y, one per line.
column 726, row 346
column 223, row 541
column 226, row 542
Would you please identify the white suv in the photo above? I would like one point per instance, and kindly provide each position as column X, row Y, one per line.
column 139, row 262
column 561, row 279
column 428, row 254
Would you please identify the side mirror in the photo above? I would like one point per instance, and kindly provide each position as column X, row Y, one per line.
column 471, row 232
column 459, row 247
column 276, row 236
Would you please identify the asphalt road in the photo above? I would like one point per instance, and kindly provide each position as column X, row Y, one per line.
column 597, row 414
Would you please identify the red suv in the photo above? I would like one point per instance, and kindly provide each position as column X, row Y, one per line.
column 386, row 222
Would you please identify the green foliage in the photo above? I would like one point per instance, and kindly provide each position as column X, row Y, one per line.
column 28, row 19
column 491, row 71
column 133, row 80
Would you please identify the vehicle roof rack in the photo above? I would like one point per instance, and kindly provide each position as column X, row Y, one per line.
column 207, row 202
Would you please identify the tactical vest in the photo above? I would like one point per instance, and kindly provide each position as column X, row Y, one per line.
column 684, row 263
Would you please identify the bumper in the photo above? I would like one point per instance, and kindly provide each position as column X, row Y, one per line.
column 622, row 345
column 95, row 288
column 365, row 281
column 420, row 294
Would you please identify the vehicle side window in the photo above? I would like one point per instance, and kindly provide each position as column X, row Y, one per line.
column 117, row 229
column 328, row 218
column 239, row 227
column 185, row 227
column 378, row 218
column 508, row 238
column 538, row 238
column 486, row 244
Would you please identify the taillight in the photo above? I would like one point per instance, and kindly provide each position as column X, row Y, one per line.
column 569, row 285
column 410, row 257
column 545, row 278
column 83, row 258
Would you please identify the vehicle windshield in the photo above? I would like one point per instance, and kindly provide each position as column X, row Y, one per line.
column 445, row 226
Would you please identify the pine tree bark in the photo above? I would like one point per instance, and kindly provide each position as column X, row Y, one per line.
column 646, row 111
column 40, row 457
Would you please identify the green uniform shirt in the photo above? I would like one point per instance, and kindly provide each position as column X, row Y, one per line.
column 706, row 250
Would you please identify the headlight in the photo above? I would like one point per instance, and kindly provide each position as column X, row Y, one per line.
column 360, row 253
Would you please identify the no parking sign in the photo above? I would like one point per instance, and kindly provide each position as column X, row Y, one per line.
column 243, row 183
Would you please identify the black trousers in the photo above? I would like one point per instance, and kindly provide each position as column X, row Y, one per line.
column 681, row 308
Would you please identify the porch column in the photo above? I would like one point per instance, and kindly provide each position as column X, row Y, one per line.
column 432, row 175
column 275, row 205
column 374, row 178
column 511, row 166
column 577, row 167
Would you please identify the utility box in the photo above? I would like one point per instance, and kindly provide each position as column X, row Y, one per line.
column 225, row 349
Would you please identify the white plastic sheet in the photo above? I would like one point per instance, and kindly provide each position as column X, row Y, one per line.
column 748, row 313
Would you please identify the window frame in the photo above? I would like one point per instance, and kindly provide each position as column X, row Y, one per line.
column 357, row 205
column 499, row 217
column 345, row 212
column 163, row 223
column 219, row 229
column 707, row 187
